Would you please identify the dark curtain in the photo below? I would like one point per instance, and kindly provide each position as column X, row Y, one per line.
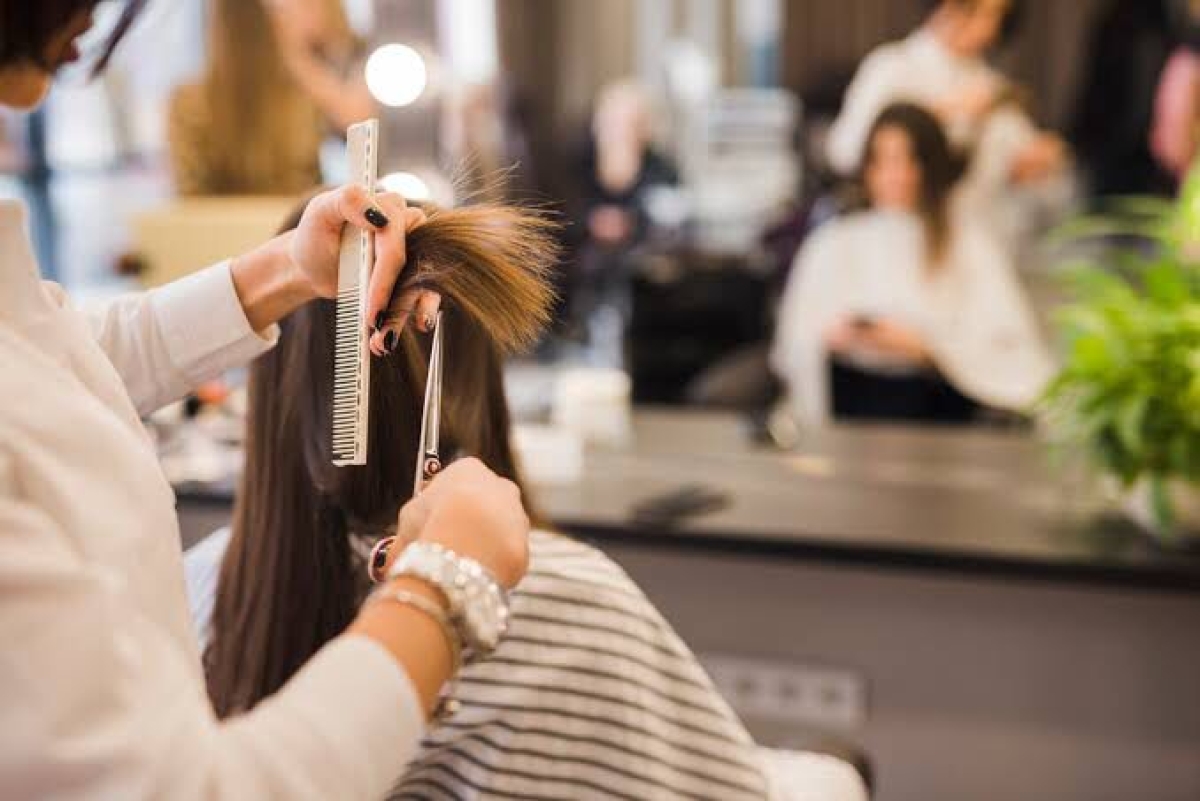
column 530, row 56
column 823, row 43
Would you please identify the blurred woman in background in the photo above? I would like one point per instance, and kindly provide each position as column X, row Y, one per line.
column 1016, row 172
column 906, row 310
column 281, row 77
column 618, row 165
column 942, row 67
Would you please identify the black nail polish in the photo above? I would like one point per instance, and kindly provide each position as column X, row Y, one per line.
column 380, row 320
column 390, row 340
column 376, row 218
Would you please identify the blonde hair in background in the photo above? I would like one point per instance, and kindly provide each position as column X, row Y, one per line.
column 623, row 126
column 262, row 130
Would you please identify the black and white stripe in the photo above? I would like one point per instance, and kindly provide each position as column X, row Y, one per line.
column 591, row 695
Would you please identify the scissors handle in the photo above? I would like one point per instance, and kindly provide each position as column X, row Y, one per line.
column 431, row 465
column 429, row 462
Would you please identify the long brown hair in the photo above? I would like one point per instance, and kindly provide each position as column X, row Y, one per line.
column 263, row 133
column 290, row 581
column 941, row 167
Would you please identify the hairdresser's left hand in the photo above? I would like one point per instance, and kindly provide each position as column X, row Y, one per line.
column 315, row 246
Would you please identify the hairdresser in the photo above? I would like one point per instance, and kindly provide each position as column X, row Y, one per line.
column 102, row 693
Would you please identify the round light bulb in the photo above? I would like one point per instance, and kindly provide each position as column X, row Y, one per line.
column 410, row 186
column 396, row 75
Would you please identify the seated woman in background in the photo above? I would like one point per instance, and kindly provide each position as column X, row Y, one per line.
column 906, row 310
column 590, row 694
column 279, row 80
column 1017, row 174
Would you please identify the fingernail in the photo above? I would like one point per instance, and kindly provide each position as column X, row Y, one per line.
column 380, row 320
column 427, row 322
column 389, row 341
column 376, row 218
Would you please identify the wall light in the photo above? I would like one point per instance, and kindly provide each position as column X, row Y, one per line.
column 412, row 187
column 396, row 75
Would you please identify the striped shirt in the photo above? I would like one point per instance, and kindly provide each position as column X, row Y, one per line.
column 590, row 695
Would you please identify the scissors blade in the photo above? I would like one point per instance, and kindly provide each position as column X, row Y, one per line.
column 428, row 456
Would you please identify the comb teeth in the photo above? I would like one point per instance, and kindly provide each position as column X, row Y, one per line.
column 352, row 357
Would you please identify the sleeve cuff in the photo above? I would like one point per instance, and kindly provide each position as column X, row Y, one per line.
column 204, row 326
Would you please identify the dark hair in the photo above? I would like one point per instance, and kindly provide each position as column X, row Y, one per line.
column 290, row 581
column 940, row 167
column 1182, row 23
column 27, row 28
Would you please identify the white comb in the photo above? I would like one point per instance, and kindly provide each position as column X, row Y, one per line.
column 352, row 357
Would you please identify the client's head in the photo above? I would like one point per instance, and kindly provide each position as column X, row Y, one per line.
column 909, row 165
column 290, row 580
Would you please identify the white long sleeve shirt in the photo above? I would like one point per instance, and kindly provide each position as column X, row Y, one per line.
column 101, row 689
column 918, row 69
column 972, row 313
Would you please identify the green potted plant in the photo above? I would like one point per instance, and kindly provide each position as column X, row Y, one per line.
column 1128, row 394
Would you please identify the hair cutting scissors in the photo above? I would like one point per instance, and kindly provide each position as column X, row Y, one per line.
column 429, row 459
column 429, row 462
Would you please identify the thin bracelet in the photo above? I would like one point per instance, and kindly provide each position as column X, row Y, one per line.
column 446, row 704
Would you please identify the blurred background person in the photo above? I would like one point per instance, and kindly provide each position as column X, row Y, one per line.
column 906, row 310
column 282, row 76
column 619, row 164
column 943, row 67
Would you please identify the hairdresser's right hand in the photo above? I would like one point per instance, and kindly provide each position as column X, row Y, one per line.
column 474, row 513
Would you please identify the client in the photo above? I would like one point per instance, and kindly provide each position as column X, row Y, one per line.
column 907, row 310
column 591, row 694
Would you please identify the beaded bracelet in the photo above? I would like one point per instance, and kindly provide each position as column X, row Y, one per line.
column 446, row 705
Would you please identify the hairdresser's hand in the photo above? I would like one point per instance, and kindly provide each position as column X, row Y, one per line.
column 316, row 243
column 475, row 513
column 1041, row 158
column 969, row 103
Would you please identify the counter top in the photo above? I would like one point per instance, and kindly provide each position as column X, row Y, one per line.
column 962, row 501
